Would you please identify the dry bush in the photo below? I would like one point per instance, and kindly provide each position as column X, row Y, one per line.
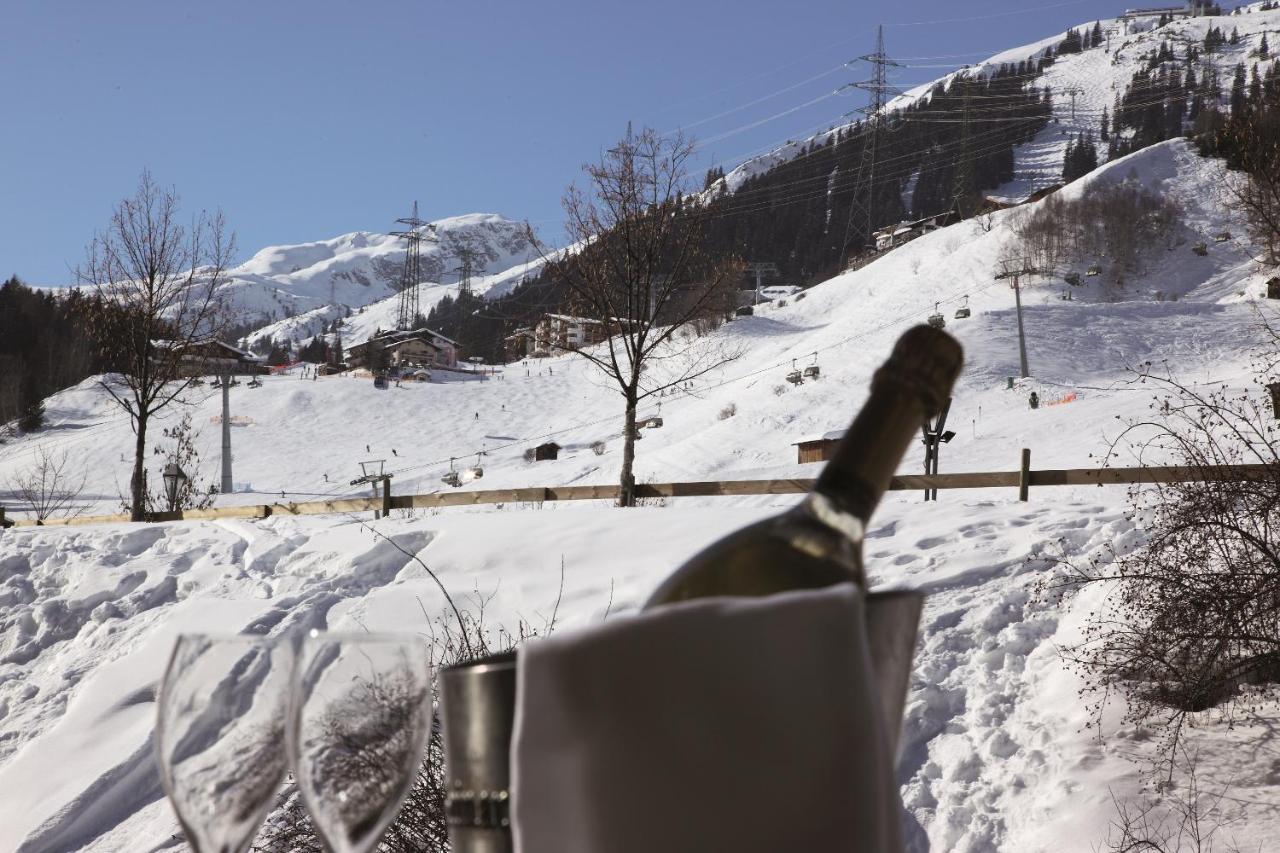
column 598, row 448
column 50, row 485
column 1181, row 818
column 728, row 411
column 1118, row 221
column 1192, row 619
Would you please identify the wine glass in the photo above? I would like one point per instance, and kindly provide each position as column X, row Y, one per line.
column 220, row 735
column 358, row 725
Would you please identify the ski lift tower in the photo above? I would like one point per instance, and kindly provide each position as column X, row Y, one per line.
column 418, row 231
column 1016, row 268
column 761, row 270
column 372, row 474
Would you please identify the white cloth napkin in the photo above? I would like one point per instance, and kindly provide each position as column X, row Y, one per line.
column 731, row 724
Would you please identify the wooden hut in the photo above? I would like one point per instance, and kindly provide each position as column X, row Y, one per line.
column 550, row 450
column 818, row 449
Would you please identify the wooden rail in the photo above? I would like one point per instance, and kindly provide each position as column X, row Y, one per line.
column 1023, row 480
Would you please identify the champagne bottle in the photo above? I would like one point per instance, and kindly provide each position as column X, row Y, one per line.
column 818, row 543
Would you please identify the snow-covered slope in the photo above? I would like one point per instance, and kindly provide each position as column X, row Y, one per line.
column 1083, row 85
column 995, row 754
column 295, row 290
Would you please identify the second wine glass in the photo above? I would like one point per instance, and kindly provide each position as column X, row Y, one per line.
column 360, row 715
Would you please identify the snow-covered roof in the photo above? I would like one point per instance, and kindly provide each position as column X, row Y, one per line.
column 568, row 319
column 834, row 435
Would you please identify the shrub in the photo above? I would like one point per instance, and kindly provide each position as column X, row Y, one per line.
column 1192, row 620
column 1119, row 221
column 530, row 454
column 728, row 411
column 598, row 448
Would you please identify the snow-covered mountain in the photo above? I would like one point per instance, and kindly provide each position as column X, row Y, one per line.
column 1084, row 84
column 293, row 291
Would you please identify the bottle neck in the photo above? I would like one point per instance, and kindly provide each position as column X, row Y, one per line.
column 857, row 476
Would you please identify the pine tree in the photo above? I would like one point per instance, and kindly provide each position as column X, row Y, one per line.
column 32, row 417
column 1238, row 100
column 1263, row 50
column 1235, row 36
column 1096, row 36
column 1106, row 125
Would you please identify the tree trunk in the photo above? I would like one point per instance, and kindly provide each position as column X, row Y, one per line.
column 138, row 486
column 627, row 492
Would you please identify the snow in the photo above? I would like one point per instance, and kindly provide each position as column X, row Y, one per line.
column 296, row 291
column 1098, row 75
column 996, row 753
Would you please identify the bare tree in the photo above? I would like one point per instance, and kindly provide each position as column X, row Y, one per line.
column 160, row 284
column 50, row 485
column 638, row 263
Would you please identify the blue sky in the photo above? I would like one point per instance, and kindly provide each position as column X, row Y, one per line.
column 305, row 120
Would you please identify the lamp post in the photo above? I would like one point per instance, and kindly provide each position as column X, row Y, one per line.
column 174, row 477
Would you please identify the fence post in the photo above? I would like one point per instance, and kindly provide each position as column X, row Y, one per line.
column 386, row 497
column 1024, row 475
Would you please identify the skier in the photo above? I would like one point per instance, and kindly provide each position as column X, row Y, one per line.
column 1035, row 400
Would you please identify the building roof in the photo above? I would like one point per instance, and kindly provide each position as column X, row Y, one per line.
column 407, row 334
column 568, row 319
column 244, row 355
column 834, row 435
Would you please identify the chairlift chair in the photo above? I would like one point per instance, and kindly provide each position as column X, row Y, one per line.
column 653, row 423
column 1094, row 270
column 452, row 478
column 813, row 371
column 1222, row 237
column 963, row 313
column 475, row 472
column 795, row 377
column 936, row 319
column 1200, row 249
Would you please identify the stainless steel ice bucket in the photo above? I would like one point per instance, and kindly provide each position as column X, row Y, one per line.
column 478, row 704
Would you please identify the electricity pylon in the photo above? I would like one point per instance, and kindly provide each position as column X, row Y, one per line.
column 412, row 275
column 862, row 205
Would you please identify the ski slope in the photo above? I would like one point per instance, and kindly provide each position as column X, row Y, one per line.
column 996, row 755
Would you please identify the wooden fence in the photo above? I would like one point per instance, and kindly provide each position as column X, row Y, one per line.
column 1023, row 480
